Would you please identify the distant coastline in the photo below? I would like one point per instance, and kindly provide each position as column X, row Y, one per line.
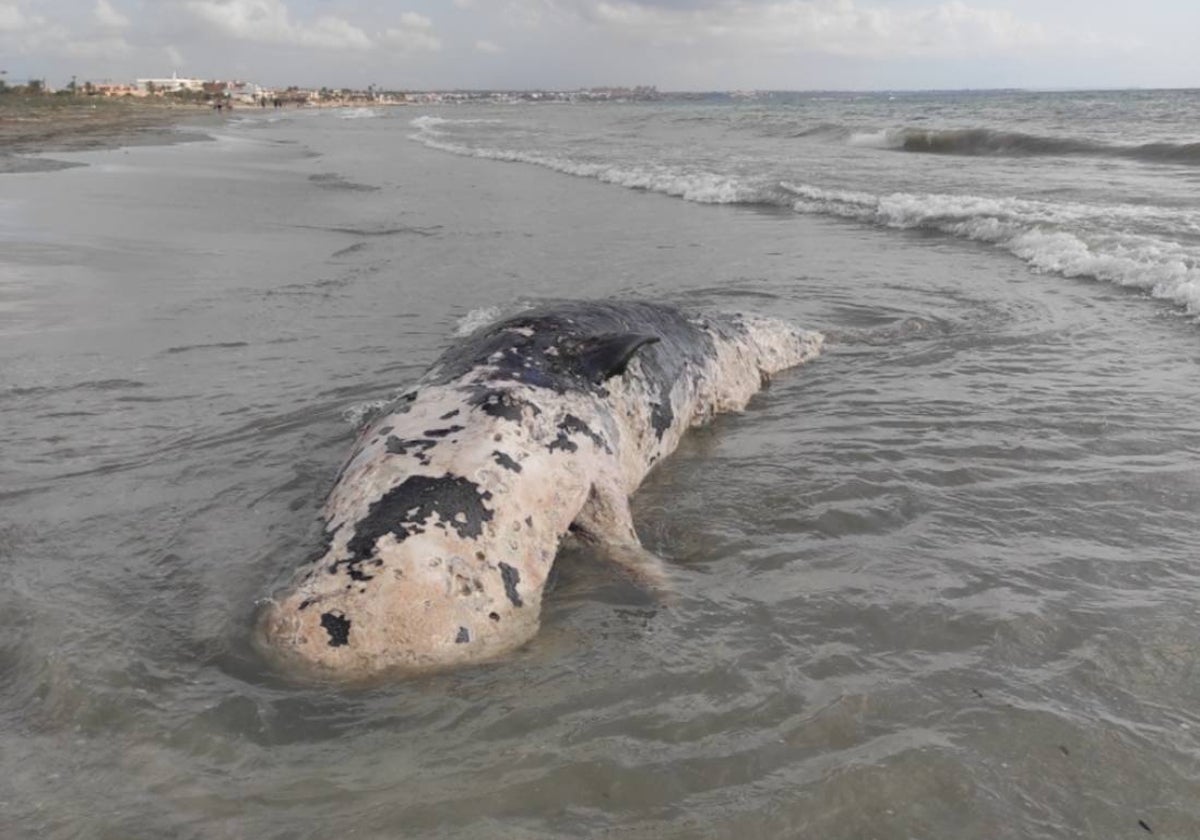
column 37, row 125
column 35, row 119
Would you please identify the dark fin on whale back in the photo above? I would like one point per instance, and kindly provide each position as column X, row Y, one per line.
column 605, row 356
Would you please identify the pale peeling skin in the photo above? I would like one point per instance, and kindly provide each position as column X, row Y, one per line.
column 444, row 523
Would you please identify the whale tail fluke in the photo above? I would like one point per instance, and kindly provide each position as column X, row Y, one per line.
column 778, row 344
column 748, row 351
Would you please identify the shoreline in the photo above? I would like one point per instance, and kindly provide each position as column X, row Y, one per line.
column 32, row 128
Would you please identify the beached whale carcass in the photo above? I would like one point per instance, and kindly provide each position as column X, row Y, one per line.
column 444, row 523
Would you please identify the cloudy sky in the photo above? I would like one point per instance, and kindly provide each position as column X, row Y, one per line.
column 674, row 44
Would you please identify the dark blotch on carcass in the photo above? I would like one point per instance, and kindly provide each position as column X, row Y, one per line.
column 506, row 461
column 449, row 414
column 661, row 415
column 338, row 628
column 441, row 433
column 511, row 578
column 571, row 425
column 418, row 448
column 458, row 503
column 500, row 404
column 564, row 443
column 464, row 636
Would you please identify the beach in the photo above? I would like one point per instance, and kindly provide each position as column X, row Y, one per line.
column 39, row 125
column 938, row 582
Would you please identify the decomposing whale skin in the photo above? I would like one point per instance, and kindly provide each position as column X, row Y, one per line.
column 443, row 525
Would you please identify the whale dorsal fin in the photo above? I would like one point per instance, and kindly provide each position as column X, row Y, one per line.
column 602, row 357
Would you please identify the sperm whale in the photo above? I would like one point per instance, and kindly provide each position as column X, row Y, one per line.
column 443, row 525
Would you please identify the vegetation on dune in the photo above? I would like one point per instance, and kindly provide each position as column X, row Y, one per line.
column 34, row 120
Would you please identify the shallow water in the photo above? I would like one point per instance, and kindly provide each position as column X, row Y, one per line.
column 938, row 583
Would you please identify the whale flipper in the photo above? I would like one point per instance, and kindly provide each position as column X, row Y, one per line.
column 643, row 566
column 607, row 520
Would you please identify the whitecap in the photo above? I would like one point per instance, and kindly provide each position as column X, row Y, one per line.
column 1069, row 239
column 477, row 318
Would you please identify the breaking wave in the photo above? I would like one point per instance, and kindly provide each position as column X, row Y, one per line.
column 985, row 141
column 1071, row 240
column 430, row 122
column 1064, row 239
column 693, row 185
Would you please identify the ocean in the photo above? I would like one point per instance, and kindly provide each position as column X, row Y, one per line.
column 939, row 582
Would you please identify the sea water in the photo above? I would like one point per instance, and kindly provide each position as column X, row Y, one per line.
column 939, row 583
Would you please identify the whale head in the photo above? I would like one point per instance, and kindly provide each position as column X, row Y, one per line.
column 441, row 532
column 422, row 604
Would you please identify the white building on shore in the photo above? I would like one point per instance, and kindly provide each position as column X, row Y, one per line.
column 170, row 85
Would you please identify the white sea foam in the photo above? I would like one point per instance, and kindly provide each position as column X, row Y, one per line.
column 359, row 114
column 428, row 122
column 361, row 414
column 1066, row 239
column 695, row 185
column 477, row 318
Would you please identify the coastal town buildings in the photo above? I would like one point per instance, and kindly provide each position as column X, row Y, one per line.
column 218, row 92
column 171, row 85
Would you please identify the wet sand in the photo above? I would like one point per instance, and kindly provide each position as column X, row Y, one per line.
column 37, row 125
